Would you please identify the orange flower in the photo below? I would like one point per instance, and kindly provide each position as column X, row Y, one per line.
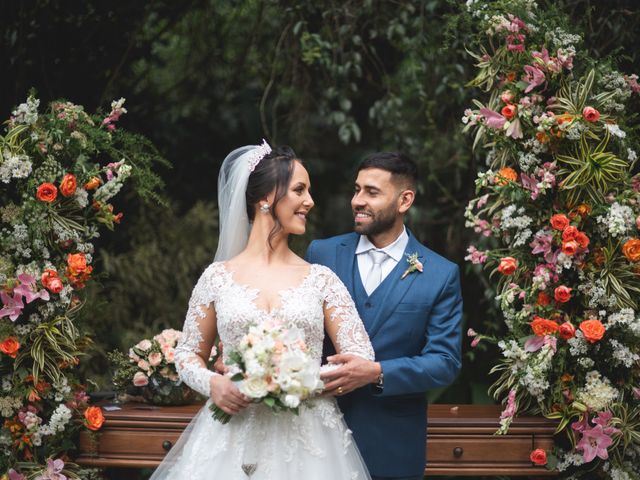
column 598, row 256
column 570, row 233
column 93, row 183
column 542, row 137
column 538, row 457
column 77, row 263
column 582, row 240
column 559, row 222
column 33, row 396
column 511, row 76
column 570, row 247
column 47, row 192
column 567, row 331
column 508, row 265
column 68, row 185
column 593, row 330
column 543, row 299
column 506, row 175
column 94, row 418
column 582, row 210
column 542, row 326
column 10, row 346
column 562, row 294
column 566, row 378
column 631, row 249
column 564, row 118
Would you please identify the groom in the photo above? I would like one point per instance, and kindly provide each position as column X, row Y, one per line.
column 409, row 300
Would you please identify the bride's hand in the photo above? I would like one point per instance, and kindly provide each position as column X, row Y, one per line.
column 225, row 394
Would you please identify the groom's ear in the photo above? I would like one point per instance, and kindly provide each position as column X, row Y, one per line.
column 405, row 200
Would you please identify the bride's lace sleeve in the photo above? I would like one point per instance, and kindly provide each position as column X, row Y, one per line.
column 198, row 335
column 342, row 322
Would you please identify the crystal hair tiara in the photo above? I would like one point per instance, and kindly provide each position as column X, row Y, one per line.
column 257, row 154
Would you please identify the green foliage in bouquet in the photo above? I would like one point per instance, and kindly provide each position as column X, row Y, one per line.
column 59, row 170
column 559, row 213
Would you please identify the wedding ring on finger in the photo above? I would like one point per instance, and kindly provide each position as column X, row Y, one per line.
column 340, row 390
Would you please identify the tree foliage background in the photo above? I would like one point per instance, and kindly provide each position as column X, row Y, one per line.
column 335, row 80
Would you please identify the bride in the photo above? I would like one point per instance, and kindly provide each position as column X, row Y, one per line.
column 264, row 196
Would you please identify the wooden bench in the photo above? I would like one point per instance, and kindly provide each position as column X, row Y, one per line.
column 460, row 440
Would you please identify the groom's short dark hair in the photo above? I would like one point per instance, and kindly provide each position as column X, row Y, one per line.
column 402, row 168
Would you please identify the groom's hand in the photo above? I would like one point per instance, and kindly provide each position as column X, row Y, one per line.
column 355, row 372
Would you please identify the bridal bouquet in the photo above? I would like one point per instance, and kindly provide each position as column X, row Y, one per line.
column 272, row 365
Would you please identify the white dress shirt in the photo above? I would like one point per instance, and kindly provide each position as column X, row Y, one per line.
column 394, row 250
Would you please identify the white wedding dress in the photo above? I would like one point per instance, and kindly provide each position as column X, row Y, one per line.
column 314, row 445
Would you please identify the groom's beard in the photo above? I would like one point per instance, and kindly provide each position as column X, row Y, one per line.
column 380, row 222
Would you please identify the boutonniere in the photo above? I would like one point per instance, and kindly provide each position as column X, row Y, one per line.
column 414, row 264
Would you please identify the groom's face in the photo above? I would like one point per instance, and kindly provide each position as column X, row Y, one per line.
column 375, row 202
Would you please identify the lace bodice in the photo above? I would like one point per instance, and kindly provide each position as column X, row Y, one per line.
column 302, row 306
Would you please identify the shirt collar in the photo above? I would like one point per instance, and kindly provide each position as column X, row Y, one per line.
column 395, row 249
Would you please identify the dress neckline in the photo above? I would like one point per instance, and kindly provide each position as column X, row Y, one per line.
column 253, row 292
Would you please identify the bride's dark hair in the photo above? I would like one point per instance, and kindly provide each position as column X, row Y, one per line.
column 272, row 173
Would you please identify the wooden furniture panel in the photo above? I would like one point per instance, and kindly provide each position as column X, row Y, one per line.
column 460, row 439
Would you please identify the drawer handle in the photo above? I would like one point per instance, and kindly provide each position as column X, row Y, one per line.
column 167, row 445
column 457, row 452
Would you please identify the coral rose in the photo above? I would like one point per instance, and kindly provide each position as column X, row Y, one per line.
column 570, row 248
column 506, row 175
column 582, row 239
column 47, row 192
column 68, row 185
column 593, row 330
column 559, row 222
column 590, row 114
column 562, row 294
column 509, row 111
column 94, row 418
column 542, row 326
column 51, row 281
column 570, row 233
column 583, row 210
column 538, row 457
column 567, row 331
column 10, row 346
column 508, row 265
column 631, row 249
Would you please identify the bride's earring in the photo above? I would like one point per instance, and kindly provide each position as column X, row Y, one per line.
column 264, row 208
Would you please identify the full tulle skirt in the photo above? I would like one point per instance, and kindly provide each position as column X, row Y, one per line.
column 313, row 445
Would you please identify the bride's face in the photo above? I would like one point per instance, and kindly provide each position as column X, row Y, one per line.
column 292, row 209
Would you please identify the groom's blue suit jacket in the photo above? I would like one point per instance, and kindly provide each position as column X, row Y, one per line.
column 415, row 327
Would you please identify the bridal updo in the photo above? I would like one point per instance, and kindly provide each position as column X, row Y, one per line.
column 273, row 173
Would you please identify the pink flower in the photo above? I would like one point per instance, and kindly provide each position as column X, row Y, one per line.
column 530, row 183
column 635, row 183
column 510, row 409
column 516, row 24
column 512, row 46
column 476, row 256
column 594, row 443
column 636, row 392
column 144, row 345
column 27, row 289
column 493, row 119
column 13, row 475
column 590, row 114
column 535, row 343
column 533, row 77
column 54, row 469
column 140, row 379
column 12, row 306
column 155, row 359
column 632, row 80
column 483, row 227
column 515, row 129
column 565, row 59
column 482, row 201
column 541, row 243
column 143, row 365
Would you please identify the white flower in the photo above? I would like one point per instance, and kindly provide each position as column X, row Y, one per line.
column 254, row 387
column 144, row 345
column 59, row 419
column 615, row 130
column 597, row 393
column 291, row 401
column 27, row 113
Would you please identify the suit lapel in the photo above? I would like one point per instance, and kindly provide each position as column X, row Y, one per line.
column 398, row 287
column 345, row 257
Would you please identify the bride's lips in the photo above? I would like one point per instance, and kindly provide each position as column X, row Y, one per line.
column 301, row 215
